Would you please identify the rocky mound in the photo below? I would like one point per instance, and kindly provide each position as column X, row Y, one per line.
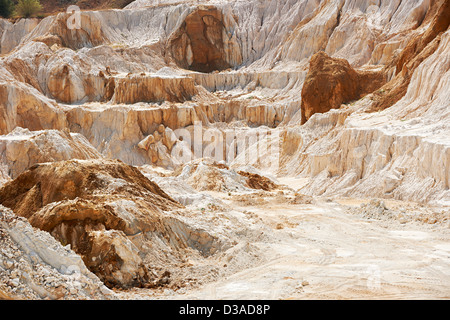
column 404, row 213
column 96, row 207
column 330, row 82
column 46, row 183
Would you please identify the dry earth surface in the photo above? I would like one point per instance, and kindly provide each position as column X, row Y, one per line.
column 331, row 249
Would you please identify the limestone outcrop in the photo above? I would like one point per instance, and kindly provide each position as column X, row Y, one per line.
column 400, row 152
column 12, row 34
column 110, row 214
column 153, row 88
column 22, row 148
column 66, row 84
column 419, row 47
column 23, row 106
column 99, row 68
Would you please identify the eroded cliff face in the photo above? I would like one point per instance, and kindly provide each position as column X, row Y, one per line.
column 23, row 106
column 109, row 213
column 169, row 64
column 416, row 51
column 198, row 44
column 153, row 88
column 354, row 93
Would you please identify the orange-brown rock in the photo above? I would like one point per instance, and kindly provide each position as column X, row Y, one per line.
column 22, row 71
column 22, row 148
column 65, row 85
column 152, row 88
column 23, row 106
column 416, row 51
column 66, row 180
column 440, row 22
column 255, row 181
column 330, row 82
column 89, row 34
column 198, row 44
column 50, row 40
column 93, row 206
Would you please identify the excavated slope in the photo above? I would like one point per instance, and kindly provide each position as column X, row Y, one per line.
column 108, row 212
column 34, row 265
column 356, row 93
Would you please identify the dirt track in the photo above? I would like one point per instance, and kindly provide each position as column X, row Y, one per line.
column 331, row 255
column 325, row 251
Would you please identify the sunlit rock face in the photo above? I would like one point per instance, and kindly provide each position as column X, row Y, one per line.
column 198, row 43
column 124, row 73
column 331, row 82
column 354, row 93
column 153, row 88
column 81, row 203
column 23, row 148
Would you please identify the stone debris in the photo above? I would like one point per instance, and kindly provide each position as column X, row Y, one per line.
column 377, row 209
column 45, row 271
column 114, row 194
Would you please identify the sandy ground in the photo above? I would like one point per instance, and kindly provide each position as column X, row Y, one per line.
column 323, row 251
column 330, row 255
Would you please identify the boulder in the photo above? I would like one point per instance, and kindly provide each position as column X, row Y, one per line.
column 330, row 82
